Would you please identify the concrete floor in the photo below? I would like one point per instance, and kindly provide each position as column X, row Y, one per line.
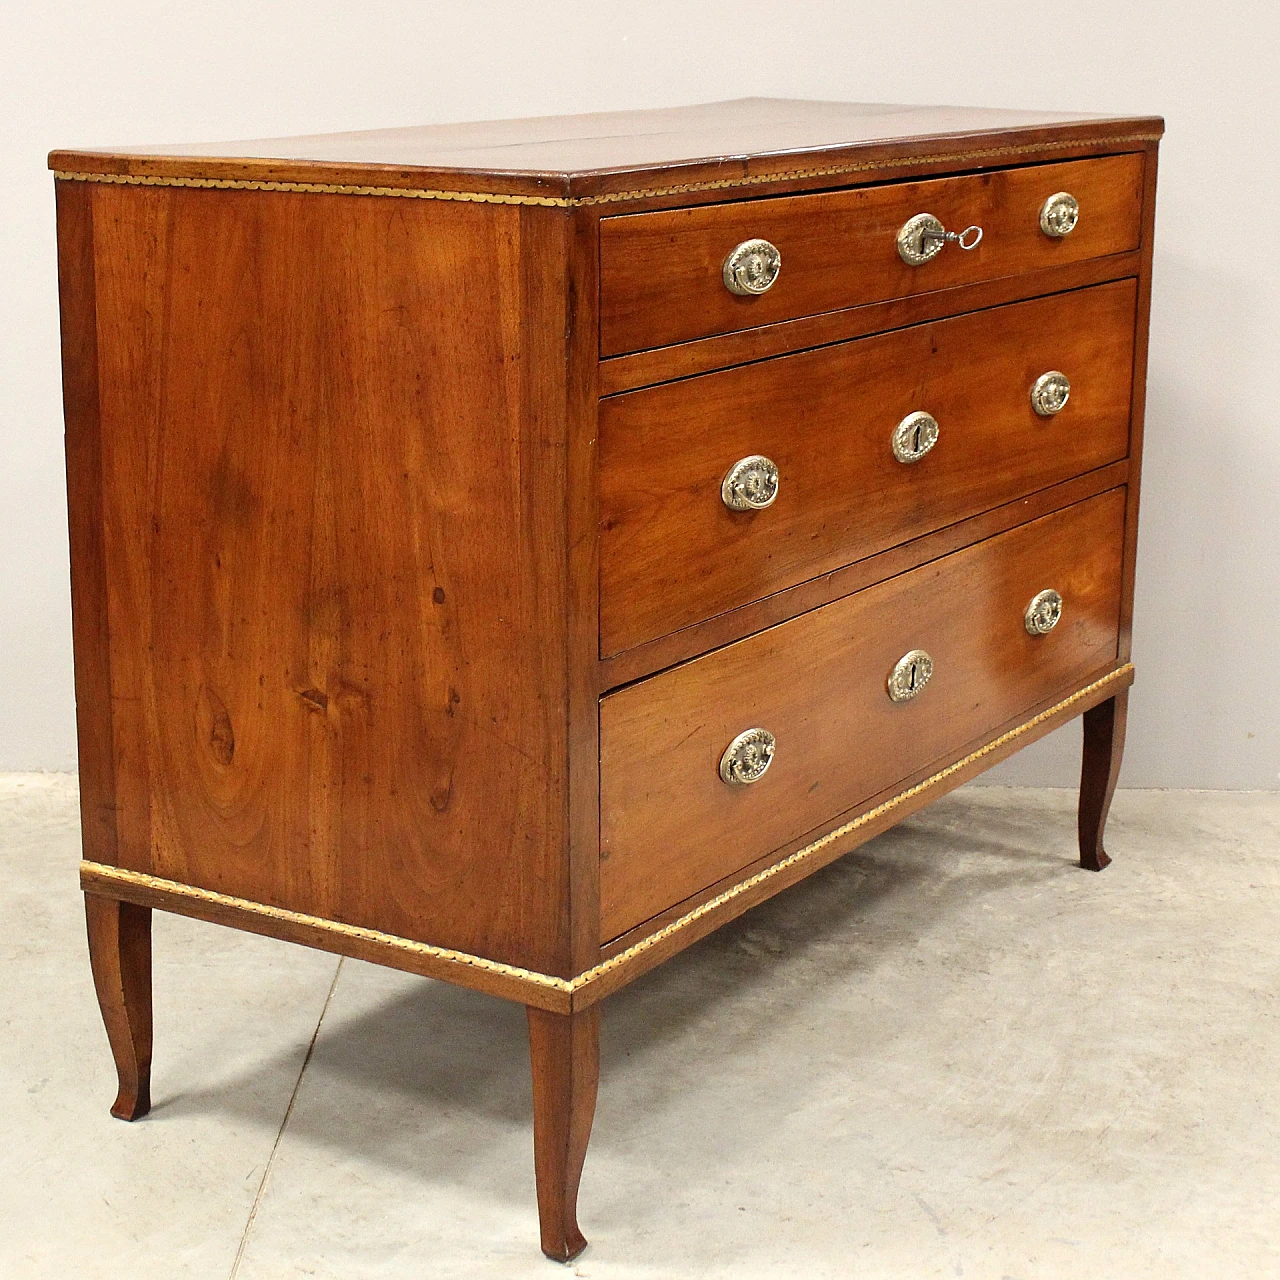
column 951, row 1054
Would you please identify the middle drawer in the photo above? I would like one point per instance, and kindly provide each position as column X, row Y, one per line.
column 673, row 552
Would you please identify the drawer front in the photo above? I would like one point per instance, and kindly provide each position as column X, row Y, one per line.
column 673, row 553
column 661, row 274
column 670, row 826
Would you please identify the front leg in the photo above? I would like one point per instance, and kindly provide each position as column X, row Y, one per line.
column 1103, row 749
column 564, row 1051
column 120, row 953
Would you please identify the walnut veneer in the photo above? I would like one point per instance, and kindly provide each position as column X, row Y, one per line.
column 413, row 619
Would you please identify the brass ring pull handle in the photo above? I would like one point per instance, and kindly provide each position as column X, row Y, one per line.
column 1043, row 613
column 751, row 268
column 914, row 436
column 750, row 484
column 1059, row 215
column 747, row 758
column 924, row 237
column 1050, row 392
column 909, row 676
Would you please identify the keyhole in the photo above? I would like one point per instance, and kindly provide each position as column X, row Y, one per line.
column 910, row 674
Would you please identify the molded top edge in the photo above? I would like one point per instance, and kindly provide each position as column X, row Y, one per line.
column 565, row 156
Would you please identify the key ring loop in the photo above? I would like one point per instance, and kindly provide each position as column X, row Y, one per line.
column 974, row 242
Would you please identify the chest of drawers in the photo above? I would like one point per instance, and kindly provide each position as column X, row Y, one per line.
column 508, row 552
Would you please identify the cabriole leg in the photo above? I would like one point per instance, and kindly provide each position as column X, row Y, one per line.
column 1103, row 749
column 120, row 953
column 564, row 1051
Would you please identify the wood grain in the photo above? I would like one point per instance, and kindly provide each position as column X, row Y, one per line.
column 330, row 433
column 660, row 273
column 120, row 956
column 669, row 826
column 671, row 552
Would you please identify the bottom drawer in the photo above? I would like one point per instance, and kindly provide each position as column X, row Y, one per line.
column 819, row 684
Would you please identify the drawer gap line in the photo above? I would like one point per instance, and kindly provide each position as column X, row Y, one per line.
column 1106, row 472
column 1124, row 264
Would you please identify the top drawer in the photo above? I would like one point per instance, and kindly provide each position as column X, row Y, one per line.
column 662, row 274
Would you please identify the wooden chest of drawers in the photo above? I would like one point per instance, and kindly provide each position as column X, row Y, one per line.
column 508, row 552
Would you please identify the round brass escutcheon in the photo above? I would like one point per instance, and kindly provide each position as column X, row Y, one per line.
column 1043, row 613
column 1050, row 392
column 909, row 676
column 752, row 268
column 750, row 484
column 747, row 758
column 920, row 239
column 1059, row 214
column 914, row 436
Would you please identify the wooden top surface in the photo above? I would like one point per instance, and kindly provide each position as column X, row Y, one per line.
column 567, row 156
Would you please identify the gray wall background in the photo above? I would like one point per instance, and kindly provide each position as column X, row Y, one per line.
column 1206, row 708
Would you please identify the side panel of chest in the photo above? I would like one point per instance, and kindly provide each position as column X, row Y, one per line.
column 328, row 432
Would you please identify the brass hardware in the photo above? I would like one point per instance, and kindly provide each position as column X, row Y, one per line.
column 924, row 237
column 909, row 676
column 1059, row 214
column 920, row 239
column 747, row 758
column 750, row 485
column 1049, row 393
column 1043, row 613
column 914, row 436
column 751, row 268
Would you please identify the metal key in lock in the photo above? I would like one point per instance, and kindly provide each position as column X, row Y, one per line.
column 924, row 237
column 928, row 235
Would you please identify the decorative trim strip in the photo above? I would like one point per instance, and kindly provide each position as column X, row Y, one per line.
column 120, row 875
column 322, row 188
column 867, row 166
column 571, row 202
column 142, row 880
